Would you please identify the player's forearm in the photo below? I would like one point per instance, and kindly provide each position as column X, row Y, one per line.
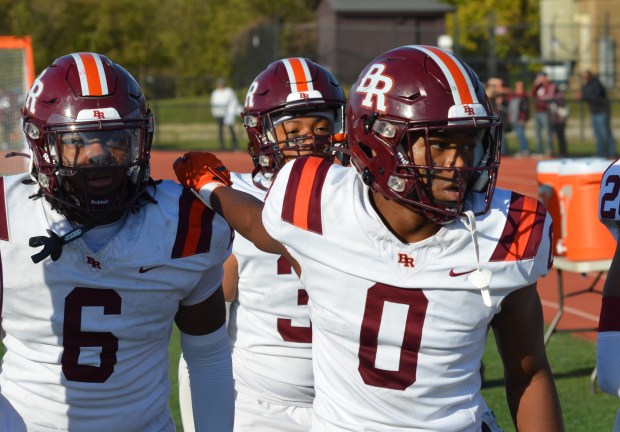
column 244, row 214
column 535, row 405
column 210, row 375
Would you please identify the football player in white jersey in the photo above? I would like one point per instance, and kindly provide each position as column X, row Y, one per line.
column 292, row 108
column 98, row 261
column 608, row 339
column 410, row 257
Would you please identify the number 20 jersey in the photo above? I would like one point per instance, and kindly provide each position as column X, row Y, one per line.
column 398, row 329
column 609, row 199
column 87, row 335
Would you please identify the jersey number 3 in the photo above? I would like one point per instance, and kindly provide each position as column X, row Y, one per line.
column 74, row 338
column 287, row 330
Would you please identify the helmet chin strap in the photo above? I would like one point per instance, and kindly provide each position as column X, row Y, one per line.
column 52, row 245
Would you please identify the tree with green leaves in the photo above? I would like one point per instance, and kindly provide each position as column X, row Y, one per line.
column 498, row 35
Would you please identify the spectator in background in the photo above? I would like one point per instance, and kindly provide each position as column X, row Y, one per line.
column 593, row 92
column 559, row 115
column 542, row 92
column 518, row 115
column 225, row 108
column 497, row 93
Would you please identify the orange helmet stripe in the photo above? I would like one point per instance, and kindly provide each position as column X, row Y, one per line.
column 460, row 83
column 92, row 75
column 298, row 74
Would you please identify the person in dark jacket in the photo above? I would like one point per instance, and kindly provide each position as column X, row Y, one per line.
column 593, row 92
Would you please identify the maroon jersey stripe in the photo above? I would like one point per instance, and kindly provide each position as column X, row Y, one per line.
column 185, row 205
column 536, row 235
column 4, row 224
column 610, row 315
column 206, row 231
column 510, row 229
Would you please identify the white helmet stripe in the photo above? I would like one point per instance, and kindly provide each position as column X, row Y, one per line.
column 92, row 76
column 298, row 74
column 460, row 83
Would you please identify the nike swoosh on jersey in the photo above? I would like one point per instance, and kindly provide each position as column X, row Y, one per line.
column 144, row 270
column 456, row 274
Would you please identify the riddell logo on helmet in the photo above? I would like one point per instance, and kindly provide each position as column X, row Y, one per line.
column 374, row 85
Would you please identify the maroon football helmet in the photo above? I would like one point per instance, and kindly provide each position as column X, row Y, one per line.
column 415, row 92
column 80, row 99
column 288, row 88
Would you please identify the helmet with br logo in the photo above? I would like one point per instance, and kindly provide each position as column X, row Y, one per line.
column 81, row 99
column 286, row 89
column 412, row 93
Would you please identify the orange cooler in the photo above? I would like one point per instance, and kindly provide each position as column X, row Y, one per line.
column 583, row 236
column 548, row 177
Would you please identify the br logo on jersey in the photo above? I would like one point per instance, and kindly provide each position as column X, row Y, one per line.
column 375, row 86
column 93, row 262
column 405, row 260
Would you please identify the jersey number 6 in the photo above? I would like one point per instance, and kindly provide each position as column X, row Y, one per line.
column 74, row 338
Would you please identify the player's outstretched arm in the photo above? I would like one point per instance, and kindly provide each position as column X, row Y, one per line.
column 530, row 389
column 205, row 175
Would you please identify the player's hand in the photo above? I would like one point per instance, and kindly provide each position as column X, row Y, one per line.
column 197, row 169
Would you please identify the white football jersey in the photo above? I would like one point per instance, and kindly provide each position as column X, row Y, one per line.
column 269, row 326
column 399, row 329
column 609, row 199
column 87, row 335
